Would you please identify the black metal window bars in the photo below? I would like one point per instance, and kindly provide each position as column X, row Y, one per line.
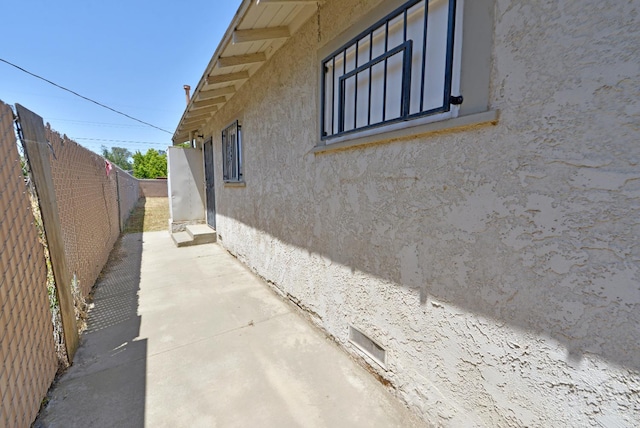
column 232, row 153
column 399, row 69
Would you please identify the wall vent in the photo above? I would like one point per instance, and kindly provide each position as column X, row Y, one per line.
column 368, row 346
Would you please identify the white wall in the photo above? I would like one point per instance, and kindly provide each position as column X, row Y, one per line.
column 186, row 186
column 498, row 265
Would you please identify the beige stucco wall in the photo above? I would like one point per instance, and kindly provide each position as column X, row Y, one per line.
column 154, row 188
column 185, row 187
column 498, row 265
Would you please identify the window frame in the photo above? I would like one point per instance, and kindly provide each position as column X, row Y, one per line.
column 476, row 67
column 450, row 85
column 232, row 154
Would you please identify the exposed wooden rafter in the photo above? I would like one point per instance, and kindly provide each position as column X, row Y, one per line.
column 196, row 120
column 224, row 78
column 191, row 126
column 213, row 93
column 202, row 117
column 260, row 34
column 197, row 117
column 247, row 27
column 264, row 2
column 232, row 61
column 209, row 102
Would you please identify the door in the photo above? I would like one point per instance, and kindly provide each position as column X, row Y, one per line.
column 210, row 193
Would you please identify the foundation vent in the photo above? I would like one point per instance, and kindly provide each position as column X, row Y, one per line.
column 368, row 346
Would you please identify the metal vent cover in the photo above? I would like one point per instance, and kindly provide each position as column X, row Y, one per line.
column 368, row 346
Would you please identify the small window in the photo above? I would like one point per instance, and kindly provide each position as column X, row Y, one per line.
column 232, row 153
column 403, row 67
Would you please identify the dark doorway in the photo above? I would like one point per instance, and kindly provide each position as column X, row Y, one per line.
column 209, row 183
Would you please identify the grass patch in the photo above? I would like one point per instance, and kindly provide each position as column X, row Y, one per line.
column 149, row 215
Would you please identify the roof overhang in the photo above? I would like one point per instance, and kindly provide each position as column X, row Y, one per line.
column 257, row 31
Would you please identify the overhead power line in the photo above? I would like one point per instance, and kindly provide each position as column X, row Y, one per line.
column 119, row 141
column 83, row 97
column 96, row 124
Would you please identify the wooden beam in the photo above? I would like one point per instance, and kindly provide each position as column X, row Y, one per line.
column 179, row 137
column 209, row 102
column 189, row 124
column 287, row 1
column 196, row 117
column 260, row 34
column 199, row 118
column 213, row 93
column 191, row 127
column 186, row 127
column 37, row 150
column 224, row 78
column 232, row 61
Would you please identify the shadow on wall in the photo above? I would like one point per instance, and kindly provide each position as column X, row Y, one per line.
column 106, row 386
column 422, row 248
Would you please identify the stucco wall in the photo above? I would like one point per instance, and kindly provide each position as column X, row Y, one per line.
column 156, row 188
column 498, row 265
column 186, row 187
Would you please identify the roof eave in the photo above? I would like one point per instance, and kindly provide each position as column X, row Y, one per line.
column 240, row 13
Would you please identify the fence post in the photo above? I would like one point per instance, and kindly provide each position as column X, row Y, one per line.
column 120, row 223
column 37, row 151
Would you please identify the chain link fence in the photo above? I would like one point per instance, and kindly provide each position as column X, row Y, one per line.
column 27, row 348
column 94, row 200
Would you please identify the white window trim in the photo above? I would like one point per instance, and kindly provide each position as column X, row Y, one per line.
column 471, row 78
column 452, row 110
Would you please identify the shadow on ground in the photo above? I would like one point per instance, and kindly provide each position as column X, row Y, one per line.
column 109, row 353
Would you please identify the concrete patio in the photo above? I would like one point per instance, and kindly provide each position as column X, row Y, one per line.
column 189, row 337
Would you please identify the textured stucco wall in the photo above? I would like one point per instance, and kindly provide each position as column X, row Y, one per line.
column 156, row 188
column 186, row 187
column 497, row 265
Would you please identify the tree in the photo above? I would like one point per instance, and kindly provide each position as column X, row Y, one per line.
column 118, row 156
column 152, row 164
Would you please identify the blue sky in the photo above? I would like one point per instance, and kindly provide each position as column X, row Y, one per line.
column 134, row 56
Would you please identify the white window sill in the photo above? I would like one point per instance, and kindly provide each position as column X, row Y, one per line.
column 235, row 184
column 489, row 117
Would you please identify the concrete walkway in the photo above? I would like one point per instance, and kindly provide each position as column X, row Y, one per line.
column 188, row 337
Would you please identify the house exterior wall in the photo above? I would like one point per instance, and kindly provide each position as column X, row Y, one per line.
column 497, row 265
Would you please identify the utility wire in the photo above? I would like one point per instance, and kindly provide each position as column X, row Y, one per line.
column 83, row 97
column 119, row 141
column 92, row 124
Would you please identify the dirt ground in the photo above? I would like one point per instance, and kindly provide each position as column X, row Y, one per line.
column 149, row 215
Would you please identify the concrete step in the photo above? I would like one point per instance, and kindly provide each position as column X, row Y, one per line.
column 202, row 234
column 196, row 234
column 182, row 239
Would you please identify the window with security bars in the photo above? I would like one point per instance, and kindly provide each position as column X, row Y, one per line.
column 232, row 153
column 399, row 69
